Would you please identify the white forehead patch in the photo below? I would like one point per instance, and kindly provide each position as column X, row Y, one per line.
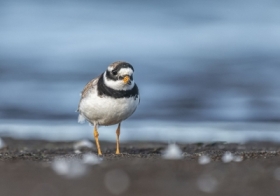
column 110, row 68
column 125, row 71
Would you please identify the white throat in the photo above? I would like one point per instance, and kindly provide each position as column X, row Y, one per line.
column 118, row 84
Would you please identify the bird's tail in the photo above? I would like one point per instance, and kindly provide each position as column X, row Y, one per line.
column 81, row 119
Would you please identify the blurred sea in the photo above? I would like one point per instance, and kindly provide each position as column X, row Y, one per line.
column 195, row 61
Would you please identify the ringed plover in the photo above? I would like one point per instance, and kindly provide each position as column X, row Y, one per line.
column 109, row 99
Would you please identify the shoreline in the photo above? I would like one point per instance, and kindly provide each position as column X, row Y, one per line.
column 26, row 168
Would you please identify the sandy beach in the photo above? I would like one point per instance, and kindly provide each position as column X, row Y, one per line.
column 27, row 168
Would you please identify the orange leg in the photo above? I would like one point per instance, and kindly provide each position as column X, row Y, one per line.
column 96, row 134
column 118, row 132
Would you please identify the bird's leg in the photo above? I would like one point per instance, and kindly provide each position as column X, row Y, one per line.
column 95, row 133
column 118, row 132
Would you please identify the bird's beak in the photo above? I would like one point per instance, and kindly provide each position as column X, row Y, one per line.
column 127, row 80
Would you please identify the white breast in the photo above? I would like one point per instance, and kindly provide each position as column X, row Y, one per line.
column 107, row 110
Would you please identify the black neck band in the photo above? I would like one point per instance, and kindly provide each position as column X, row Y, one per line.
column 105, row 90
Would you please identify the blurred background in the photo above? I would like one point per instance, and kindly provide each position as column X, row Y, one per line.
column 195, row 62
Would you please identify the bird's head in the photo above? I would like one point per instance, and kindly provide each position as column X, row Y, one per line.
column 119, row 76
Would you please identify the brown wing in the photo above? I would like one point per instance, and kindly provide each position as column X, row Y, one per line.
column 89, row 86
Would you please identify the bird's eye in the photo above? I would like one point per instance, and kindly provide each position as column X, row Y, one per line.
column 131, row 77
column 114, row 72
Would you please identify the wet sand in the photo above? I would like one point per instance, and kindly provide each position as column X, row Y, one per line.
column 26, row 169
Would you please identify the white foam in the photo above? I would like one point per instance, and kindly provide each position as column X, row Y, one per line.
column 237, row 158
column 83, row 144
column 172, row 151
column 204, row 159
column 70, row 168
column 227, row 157
column 91, row 159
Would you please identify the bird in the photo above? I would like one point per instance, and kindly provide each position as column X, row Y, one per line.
column 109, row 99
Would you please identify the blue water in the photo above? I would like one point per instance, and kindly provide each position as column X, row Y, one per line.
column 194, row 61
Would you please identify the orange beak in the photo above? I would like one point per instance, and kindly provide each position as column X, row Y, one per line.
column 126, row 80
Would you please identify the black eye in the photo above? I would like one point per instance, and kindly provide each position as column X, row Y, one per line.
column 131, row 77
column 114, row 72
